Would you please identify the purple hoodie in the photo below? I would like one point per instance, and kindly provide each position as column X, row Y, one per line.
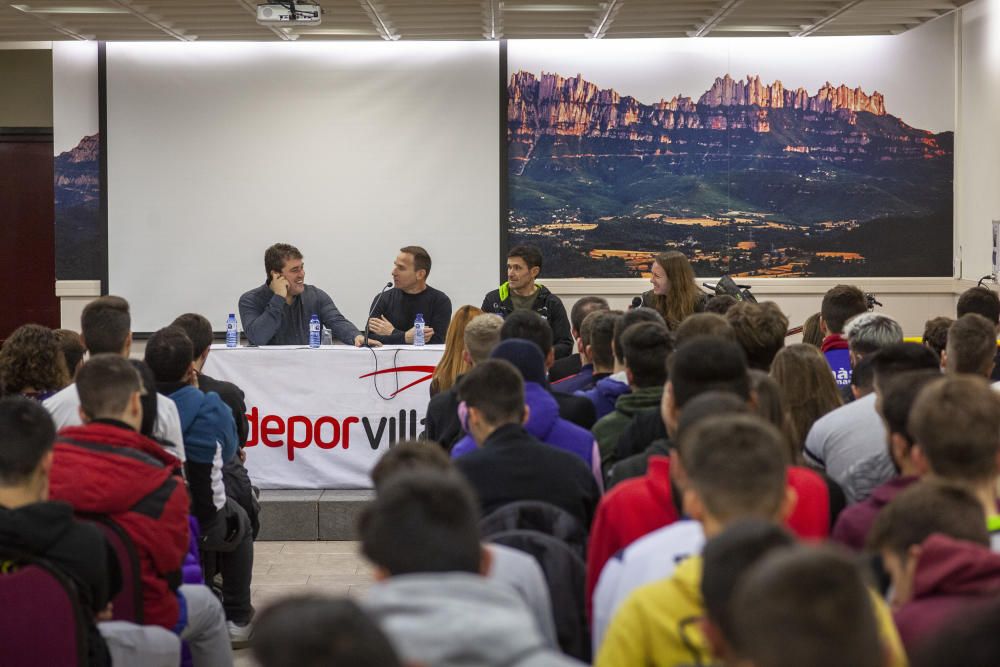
column 604, row 394
column 545, row 424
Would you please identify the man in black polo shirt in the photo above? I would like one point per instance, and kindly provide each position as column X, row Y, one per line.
column 394, row 312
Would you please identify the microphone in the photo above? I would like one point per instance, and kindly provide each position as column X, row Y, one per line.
column 370, row 312
column 636, row 302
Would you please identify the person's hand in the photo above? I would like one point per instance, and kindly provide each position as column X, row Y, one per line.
column 380, row 326
column 279, row 284
column 359, row 341
column 106, row 614
column 411, row 334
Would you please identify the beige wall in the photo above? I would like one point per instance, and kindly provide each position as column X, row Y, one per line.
column 25, row 88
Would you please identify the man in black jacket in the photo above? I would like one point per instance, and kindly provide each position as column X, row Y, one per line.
column 521, row 292
column 509, row 464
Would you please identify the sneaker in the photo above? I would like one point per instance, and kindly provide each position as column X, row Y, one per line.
column 239, row 635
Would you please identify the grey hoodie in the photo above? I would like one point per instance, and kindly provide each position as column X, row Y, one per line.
column 456, row 619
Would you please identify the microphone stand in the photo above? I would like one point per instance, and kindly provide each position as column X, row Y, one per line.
column 370, row 312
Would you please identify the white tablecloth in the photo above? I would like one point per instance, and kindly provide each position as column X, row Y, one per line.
column 321, row 418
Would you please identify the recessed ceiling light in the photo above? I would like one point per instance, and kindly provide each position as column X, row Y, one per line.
column 507, row 7
column 28, row 9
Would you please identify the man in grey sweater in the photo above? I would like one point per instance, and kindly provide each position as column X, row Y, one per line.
column 278, row 312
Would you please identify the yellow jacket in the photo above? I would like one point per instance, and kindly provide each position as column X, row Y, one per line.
column 659, row 625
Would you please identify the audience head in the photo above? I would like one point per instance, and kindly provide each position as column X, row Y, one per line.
column 805, row 606
column 807, row 386
column 31, row 361
column 863, row 376
column 840, row 304
column 524, row 356
column 276, row 257
column 73, row 350
column 529, row 325
column 955, row 422
column 760, row 330
column 106, row 326
column 980, row 300
column 421, row 521
column 199, row 331
column 920, row 511
column 870, row 332
column 170, row 355
column 812, row 333
column 596, row 332
column 726, row 558
column 710, row 405
column 646, row 346
column 971, row 346
column 26, row 437
column 770, row 405
column 703, row 324
column 482, row 334
column 936, row 334
column 735, row 467
column 898, row 358
column 407, row 457
column 456, row 359
column 109, row 388
column 524, row 263
column 629, row 318
column 492, row 394
column 705, row 363
column 720, row 304
column 583, row 307
column 411, row 268
column 314, row 631
column 894, row 404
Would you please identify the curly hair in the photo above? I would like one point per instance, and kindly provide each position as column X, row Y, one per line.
column 32, row 359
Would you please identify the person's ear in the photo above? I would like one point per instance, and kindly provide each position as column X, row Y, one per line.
column 204, row 355
column 715, row 640
column 753, row 401
column 467, row 358
column 485, row 560
column 677, row 472
column 788, row 503
column 944, row 360
column 628, row 375
column 693, row 506
column 379, row 573
column 534, row 271
column 550, row 358
column 920, row 461
column 527, row 414
column 84, row 417
column 135, row 406
column 823, row 328
column 670, row 413
column 191, row 373
column 899, row 449
column 127, row 350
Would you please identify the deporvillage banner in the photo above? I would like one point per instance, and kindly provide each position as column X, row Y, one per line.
column 321, row 418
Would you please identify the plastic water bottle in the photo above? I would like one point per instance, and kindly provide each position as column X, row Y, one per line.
column 315, row 331
column 418, row 330
column 232, row 334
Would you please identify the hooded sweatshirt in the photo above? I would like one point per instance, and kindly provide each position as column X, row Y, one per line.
column 455, row 619
column 605, row 393
column 608, row 429
column 856, row 521
column 952, row 578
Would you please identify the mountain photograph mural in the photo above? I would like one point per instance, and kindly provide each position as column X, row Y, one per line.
column 748, row 178
column 78, row 224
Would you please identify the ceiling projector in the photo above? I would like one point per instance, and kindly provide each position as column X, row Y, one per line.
column 289, row 13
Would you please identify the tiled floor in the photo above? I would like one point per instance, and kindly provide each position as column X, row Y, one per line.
column 287, row 568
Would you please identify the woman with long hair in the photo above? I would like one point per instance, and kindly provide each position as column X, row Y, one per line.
column 453, row 364
column 32, row 363
column 675, row 294
column 807, row 386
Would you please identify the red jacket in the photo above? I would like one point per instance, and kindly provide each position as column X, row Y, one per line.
column 102, row 468
column 810, row 518
column 953, row 577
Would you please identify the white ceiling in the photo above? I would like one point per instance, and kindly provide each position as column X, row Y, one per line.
column 46, row 20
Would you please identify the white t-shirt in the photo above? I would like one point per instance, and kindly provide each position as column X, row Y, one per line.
column 844, row 436
column 648, row 559
column 64, row 406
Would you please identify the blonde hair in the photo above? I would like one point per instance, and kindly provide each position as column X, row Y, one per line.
column 453, row 364
column 807, row 386
column 682, row 293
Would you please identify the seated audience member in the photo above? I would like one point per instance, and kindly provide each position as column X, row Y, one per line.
column 278, row 312
column 955, row 422
column 734, row 468
column 854, row 431
column 393, row 313
column 936, row 334
column 510, row 464
column 32, row 363
column 895, row 404
column 645, row 348
column 840, row 304
column 105, row 326
column 591, row 370
column 760, row 330
column 503, row 564
column 106, row 467
column 530, row 326
column 421, row 534
column 703, row 324
column 933, row 542
column 315, row 631
column 865, row 475
column 210, row 443
column 720, row 304
column 811, row 332
column 727, row 557
column 606, row 392
column 807, row 387
column 675, row 294
column 702, row 364
column 574, row 363
column 971, row 346
column 971, row 641
column 453, row 362
column 778, row 620
column 543, row 421
column 982, row 301
column 73, row 350
column 481, row 335
column 33, row 526
column 522, row 293
column 862, row 379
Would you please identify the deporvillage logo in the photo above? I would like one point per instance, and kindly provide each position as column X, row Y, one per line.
column 328, row 432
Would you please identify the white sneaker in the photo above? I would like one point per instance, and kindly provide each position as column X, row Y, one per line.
column 239, row 635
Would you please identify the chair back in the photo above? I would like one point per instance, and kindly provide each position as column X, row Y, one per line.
column 127, row 605
column 43, row 622
column 538, row 516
